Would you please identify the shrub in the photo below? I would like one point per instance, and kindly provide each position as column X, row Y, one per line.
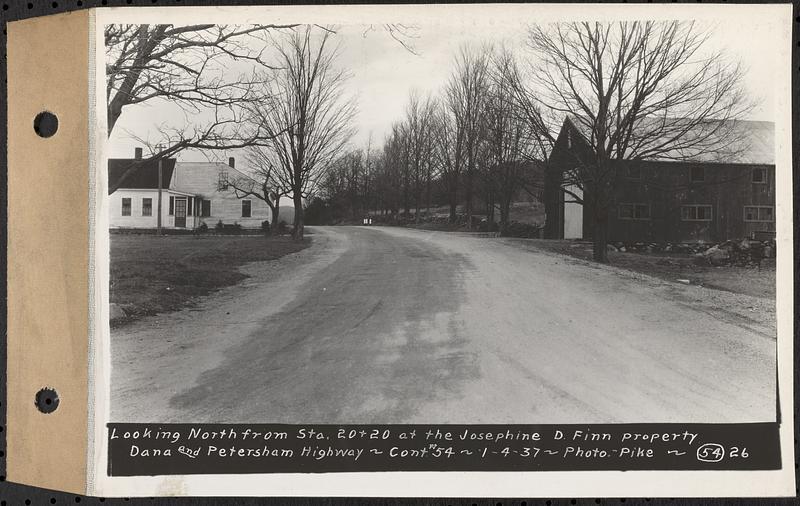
column 486, row 226
column 283, row 227
column 203, row 227
column 219, row 226
column 265, row 227
column 518, row 229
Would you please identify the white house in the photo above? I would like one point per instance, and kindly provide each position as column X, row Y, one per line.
column 192, row 193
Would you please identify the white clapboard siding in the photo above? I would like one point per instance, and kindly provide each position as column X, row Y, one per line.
column 136, row 220
column 201, row 179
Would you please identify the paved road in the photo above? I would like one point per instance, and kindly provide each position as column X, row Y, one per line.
column 394, row 325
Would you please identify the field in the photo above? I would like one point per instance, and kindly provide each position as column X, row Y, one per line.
column 154, row 274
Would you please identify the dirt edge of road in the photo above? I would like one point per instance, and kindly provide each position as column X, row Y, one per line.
column 746, row 310
column 167, row 339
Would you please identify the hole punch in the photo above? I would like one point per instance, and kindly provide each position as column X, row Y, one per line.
column 47, row 400
column 45, row 124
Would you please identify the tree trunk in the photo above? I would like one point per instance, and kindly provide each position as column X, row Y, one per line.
column 600, row 236
column 297, row 231
column 505, row 211
column 276, row 209
column 406, row 200
column 428, row 193
column 468, row 199
column 452, row 211
column 453, row 197
column 489, row 211
column 600, row 192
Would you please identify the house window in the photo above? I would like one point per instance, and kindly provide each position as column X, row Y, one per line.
column 696, row 213
column 171, row 205
column 147, row 207
column 222, row 180
column 759, row 213
column 634, row 212
column 698, row 174
column 760, row 175
column 126, row 207
column 246, row 209
column 205, row 208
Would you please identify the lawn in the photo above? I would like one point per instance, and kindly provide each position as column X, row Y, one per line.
column 674, row 267
column 155, row 274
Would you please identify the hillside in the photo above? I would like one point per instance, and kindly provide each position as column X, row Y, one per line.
column 286, row 213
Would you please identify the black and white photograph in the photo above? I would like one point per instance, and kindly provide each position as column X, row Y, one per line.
column 463, row 218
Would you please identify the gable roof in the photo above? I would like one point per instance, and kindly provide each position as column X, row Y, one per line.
column 144, row 175
column 219, row 166
column 736, row 141
column 198, row 173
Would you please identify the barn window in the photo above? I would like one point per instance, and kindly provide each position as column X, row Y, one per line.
column 147, row 207
column 700, row 212
column 698, row 174
column 760, row 175
column 126, row 207
column 634, row 212
column 759, row 213
column 246, row 209
column 206, row 208
column 171, row 205
column 633, row 172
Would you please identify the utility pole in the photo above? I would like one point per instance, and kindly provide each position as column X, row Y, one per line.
column 160, row 173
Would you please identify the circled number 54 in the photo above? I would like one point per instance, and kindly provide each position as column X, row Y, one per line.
column 714, row 452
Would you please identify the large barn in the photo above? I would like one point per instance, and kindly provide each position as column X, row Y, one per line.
column 659, row 199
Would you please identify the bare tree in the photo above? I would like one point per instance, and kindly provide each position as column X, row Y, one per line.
column 398, row 153
column 308, row 119
column 420, row 114
column 635, row 90
column 190, row 67
column 145, row 62
column 466, row 94
column 449, row 153
column 394, row 178
column 511, row 141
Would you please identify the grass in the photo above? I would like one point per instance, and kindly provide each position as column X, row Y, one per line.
column 672, row 267
column 156, row 274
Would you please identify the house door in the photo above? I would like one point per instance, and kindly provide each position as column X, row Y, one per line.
column 180, row 213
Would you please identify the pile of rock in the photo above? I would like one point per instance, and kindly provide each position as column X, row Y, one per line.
column 740, row 252
column 658, row 247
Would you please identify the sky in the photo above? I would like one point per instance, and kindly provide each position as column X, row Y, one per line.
column 384, row 73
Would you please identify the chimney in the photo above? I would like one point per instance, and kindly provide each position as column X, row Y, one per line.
column 232, row 162
column 137, row 153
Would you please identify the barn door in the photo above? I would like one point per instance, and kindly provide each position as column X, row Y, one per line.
column 180, row 213
column 573, row 214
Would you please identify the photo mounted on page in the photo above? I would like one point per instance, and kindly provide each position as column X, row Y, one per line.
column 552, row 222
